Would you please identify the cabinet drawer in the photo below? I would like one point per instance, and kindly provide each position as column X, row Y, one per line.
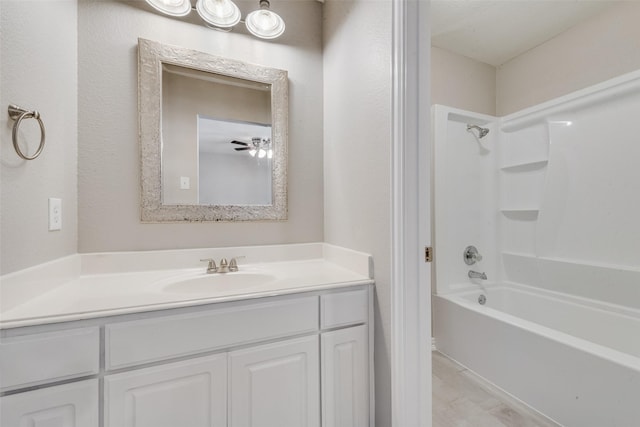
column 344, row 308
column 33, row 359
column 143, row 341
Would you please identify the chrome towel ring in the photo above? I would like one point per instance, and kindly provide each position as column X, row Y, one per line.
column 18, row 114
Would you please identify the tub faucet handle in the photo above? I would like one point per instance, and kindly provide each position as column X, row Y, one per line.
column 211, row 266
column 471, row 255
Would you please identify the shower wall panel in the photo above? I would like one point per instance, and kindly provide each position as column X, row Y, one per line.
column 550, row 196
column 465, row 195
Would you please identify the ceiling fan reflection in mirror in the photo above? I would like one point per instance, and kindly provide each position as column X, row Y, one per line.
column 258, row 145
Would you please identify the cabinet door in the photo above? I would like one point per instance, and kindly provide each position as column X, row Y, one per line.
column 345, row 378
column 191, row 393
column 276, row 385
column 68, row 405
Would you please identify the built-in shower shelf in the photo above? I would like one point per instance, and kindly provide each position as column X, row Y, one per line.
column 524, row 167
column 521, row 214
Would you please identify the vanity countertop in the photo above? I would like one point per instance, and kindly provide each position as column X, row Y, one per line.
column 92, row 290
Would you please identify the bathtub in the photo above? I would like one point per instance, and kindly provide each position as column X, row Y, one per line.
column 577, row 361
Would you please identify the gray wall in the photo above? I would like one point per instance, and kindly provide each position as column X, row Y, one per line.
column 109, row 189
column 39, row 72
column 357, row 153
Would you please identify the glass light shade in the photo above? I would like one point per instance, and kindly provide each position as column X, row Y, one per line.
column 219, row 13
column 171, row 7
column 269, row 153
column 264, row 23
column 262, row 153
column 253, row 152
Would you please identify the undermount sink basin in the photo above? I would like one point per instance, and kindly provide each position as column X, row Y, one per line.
column 207, row 283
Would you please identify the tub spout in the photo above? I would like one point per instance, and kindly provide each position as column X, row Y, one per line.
column 477, row 275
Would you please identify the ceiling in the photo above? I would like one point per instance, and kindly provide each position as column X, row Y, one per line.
column 215, row 135
column 495, row 31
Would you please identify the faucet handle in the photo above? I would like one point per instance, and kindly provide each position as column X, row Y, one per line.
column 471, row 255
column 211, row 266
column 233, row 264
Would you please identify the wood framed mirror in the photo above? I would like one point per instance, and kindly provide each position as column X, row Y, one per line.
column 213, row 137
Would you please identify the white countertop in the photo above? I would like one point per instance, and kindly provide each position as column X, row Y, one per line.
column 28, row 299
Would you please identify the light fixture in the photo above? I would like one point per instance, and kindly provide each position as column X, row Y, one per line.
column 219, row 13
column 172, row 7
column 258, row 145
column 264, row 23
column 225, row 14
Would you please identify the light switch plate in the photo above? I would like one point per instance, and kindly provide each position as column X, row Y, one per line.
column 185, row 183
column 55, row 214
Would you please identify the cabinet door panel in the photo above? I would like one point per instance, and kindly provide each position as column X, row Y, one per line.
column 345, row 384
column 186, row 394
column 276, row 385
column 69, row 405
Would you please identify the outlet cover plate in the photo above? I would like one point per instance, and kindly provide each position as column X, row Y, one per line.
column 55, row 214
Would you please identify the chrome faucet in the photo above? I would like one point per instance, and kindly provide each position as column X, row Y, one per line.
column 477, row 275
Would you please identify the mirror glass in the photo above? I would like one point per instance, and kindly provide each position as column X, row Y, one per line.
column 239, row 152
column 209, row 155
column 213, row 137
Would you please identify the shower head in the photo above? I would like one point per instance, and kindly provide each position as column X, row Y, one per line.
column 482, row 132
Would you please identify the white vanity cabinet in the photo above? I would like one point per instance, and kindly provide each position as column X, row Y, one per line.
column 298, row 360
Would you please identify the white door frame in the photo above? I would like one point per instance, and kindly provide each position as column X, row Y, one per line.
column 411, row 216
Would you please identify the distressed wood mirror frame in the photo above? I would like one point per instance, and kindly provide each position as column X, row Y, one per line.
column 151, row 56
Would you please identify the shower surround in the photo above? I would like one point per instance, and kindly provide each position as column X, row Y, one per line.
column 550, row 199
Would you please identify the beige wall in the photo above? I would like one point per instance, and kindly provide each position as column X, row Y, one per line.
column 461, row 82
column 109, row 183
column 38, row 71
column 357, row 153
column 600, row 48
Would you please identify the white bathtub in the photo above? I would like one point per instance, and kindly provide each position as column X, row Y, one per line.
column 576, row 361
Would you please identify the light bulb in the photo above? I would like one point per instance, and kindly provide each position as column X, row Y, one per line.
column 269, row 153
column 264, row 23
column 262, row 153
column 219, row 13
column 171, row 7
column 253, row 152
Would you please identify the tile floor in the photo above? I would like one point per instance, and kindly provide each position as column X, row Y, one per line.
column 462, row 399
